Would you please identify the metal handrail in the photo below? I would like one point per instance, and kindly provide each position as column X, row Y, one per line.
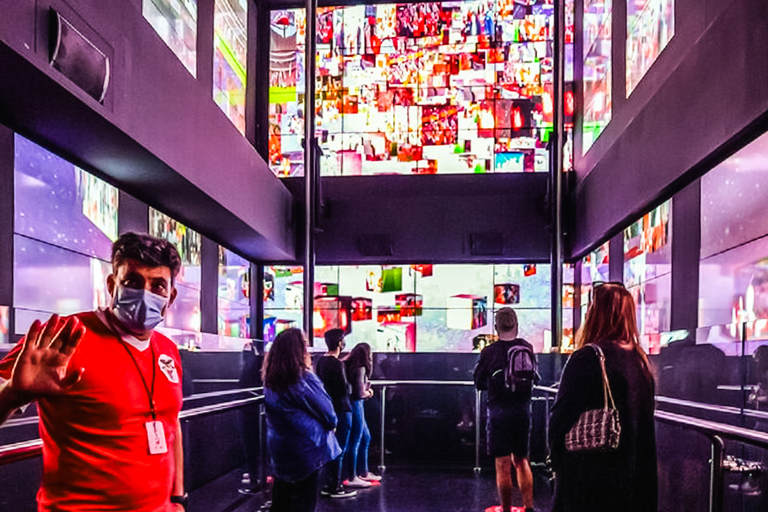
column 224, row 392
column 30, row 449
column 724, row 409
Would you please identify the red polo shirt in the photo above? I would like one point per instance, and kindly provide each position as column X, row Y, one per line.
column 95, row 448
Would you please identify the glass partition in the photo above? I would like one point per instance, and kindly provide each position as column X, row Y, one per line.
column 650, row 26
column 234, row 309
column 597, row 34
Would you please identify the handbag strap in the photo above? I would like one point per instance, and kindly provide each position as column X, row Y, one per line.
column 606, row 385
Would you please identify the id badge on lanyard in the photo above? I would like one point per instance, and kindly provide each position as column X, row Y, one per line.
column 156, row 437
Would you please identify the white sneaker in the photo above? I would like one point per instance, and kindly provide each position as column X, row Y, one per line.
column 370, row 477
column 357, row 482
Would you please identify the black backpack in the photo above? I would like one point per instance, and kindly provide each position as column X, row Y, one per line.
column 520, row 370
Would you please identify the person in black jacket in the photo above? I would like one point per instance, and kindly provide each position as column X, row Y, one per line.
column 334, row 377
column 624, row 479
column 509, row 413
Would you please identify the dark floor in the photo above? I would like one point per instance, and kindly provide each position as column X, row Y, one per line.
column 402, row 490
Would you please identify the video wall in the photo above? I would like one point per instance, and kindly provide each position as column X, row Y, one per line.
column 597, row 78
column 230, row 47
column 175, row 21
column 5, row 335
column 647, row 273
column 433, row 87
column 733, row 282
column 65, row 221
column 234, row 309
column 184, row 314
column 650, row 26
column 408, row 308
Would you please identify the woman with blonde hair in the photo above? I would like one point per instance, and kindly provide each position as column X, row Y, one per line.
column 622, row 477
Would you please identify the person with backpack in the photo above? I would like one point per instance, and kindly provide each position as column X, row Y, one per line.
column 506, row 369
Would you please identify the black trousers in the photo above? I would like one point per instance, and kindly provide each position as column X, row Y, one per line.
column 295, row 496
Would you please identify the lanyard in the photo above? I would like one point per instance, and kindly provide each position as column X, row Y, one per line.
column 150, row 391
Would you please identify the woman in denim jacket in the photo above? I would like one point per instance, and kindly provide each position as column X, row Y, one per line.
column 300, row 423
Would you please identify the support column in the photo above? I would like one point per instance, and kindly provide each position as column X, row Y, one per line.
column 204, row 50
column 209, row 286
column 616, row 258
column 556, row 173
column 132, row 214
column 310, row 169
column 6, row 225
column 686, row 253
column 257, row 301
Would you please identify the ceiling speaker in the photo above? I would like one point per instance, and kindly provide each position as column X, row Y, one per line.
column 77, row 58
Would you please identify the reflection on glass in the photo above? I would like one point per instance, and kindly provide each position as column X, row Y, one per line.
column 175, row 21
column 424, row 88
column 597, row 69
column 650, row 26
column 59, row 203
column 234, row 295
column 230, row 46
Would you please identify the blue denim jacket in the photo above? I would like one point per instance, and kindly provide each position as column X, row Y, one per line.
column 300, row 423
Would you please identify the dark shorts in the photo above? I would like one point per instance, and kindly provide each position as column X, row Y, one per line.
column 508, row 431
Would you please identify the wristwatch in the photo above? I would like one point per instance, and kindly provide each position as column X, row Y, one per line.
column 182, row 500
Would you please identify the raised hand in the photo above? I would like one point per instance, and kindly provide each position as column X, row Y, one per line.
column 41, row 367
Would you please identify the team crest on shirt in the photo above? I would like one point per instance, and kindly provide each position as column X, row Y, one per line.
column 168, row 367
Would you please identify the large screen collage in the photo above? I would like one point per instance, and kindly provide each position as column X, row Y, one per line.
column 435, row 87
column 409, row 308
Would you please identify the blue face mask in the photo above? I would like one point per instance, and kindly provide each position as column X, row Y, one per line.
column 138, row 310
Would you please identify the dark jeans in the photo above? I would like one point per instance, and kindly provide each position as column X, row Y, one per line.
column 336, row 466
column 359, row 439
column 295, row 496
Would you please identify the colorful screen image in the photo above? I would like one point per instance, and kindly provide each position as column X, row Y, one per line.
column 416, row 88
column 175, row 21
column 274, row 325
column 332, row 313
column 506, row 293
column 385, row 280
column 5, row 336
column 467, row 312
column 647, row 253
column 597, row 69
column 362, row 309
column 230, row 47
column 481, row 341
column 409, row 304
column 650, row 27
column 396, row 337
column 234, row 304
column 84, row 208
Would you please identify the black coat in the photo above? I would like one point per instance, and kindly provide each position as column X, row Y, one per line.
column 623, row 480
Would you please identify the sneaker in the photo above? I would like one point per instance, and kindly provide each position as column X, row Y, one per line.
column 343, row 492
column 370, row 477
column 326, row 490
column 247, row 490
column 357, row 482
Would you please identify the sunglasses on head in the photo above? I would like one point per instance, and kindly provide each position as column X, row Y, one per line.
column 603, row 283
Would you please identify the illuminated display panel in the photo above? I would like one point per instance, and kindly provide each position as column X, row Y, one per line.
column 650, row 26
column 594, row 268
column 5, row 336
column 597, row 69
column 408, row 308
column 437, row 87
column 230, row 46
column 234, row 309
column 65, row 221
column 184, row 314
column 733, row 274
column 647, row 273
column 175, row 21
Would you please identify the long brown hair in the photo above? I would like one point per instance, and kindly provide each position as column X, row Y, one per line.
column 360, row 356
column 286, row 361
column 611, row 319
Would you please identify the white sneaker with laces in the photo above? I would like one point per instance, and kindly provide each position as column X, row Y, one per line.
column 357, row 482
column 370, row 477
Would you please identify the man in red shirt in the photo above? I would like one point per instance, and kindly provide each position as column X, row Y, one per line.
column 108, row 389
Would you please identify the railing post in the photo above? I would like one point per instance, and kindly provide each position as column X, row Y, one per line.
column 382, row 467
column 546, row 422
column 478, row 404
column 716, row 481
column 262, row 449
